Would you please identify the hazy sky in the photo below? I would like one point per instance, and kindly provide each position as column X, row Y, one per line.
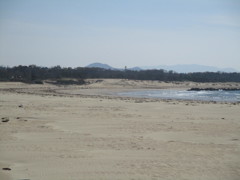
column 120, row 32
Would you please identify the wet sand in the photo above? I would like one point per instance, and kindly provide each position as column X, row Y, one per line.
column 84, row 132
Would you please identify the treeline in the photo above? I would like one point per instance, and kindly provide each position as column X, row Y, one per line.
column 36, row 74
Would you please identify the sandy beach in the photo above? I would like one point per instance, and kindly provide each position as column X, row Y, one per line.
column 87, row 133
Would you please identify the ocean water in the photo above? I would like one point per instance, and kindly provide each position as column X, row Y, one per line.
column 220, row 96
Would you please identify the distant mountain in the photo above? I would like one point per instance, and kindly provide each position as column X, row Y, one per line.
column 135, row 69
column 180, row 68
column 106, row 66
column 187, row 68
column 100, row 65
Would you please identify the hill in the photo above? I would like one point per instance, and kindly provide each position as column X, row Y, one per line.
column 179, row 68
column 189, row 68
column 100, row 65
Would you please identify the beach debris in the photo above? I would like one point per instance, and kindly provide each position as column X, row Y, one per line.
column 6, row 169
column 5, row 119
column 20, row 105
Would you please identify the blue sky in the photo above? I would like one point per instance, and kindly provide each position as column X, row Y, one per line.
column 120, row 32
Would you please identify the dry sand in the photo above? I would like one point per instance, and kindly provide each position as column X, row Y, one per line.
column 53, row 133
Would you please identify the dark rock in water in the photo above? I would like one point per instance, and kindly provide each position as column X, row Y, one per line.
column 5, row 119
column 6, row 169
column 214, row 89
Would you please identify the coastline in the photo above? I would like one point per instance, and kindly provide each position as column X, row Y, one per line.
column 110, row 88
column 55, row 133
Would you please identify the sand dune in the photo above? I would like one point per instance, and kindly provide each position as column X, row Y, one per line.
column 83, row 133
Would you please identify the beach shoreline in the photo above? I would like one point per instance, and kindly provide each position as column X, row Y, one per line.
column 86, row 132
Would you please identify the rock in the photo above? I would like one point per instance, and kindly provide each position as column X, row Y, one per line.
column 20, row 105
column 214, row 89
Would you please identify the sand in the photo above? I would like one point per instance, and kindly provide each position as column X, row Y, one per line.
column 86, row 133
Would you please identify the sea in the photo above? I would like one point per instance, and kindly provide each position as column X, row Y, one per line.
column 218, row 95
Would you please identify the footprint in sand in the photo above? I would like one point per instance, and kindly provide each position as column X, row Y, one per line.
column 6, row 169
column 5, row 119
